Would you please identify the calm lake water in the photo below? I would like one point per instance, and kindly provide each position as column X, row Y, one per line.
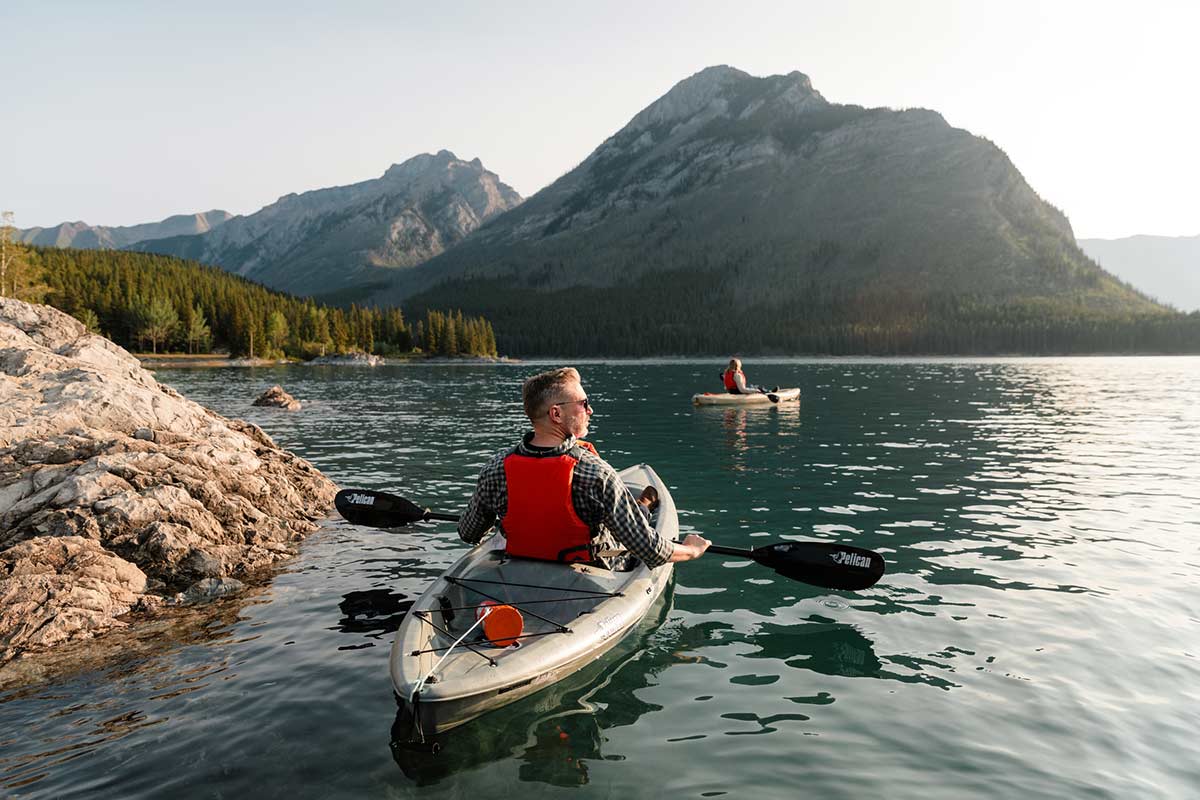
column 1037, row 634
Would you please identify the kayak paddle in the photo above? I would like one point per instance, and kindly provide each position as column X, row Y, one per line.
column 382, row 510
column 824, row 564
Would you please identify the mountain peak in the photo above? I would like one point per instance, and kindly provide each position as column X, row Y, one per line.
column 327, row 240
column 725, row 91
column 423, row 163
column 689, row 97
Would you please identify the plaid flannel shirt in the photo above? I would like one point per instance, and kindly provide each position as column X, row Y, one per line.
column 598, row 494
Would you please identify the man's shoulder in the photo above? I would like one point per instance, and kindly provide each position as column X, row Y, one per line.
column 497, row 458
column 592, row 461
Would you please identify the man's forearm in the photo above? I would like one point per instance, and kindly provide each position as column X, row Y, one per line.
column 475, row 522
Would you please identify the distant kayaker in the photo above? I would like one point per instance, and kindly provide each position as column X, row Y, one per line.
column 735, row 379
column 554, row 498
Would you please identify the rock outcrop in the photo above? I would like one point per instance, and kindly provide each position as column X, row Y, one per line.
column 276, row 397
column 117, row 493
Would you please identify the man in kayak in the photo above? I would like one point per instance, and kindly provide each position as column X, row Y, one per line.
column 555, row 499
column 735, row 380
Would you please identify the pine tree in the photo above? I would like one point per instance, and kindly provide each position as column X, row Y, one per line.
column 197, row 331
column 20, row 277
column 158, row 322
column 449, row 343
column 277, row 330
column 89, row 320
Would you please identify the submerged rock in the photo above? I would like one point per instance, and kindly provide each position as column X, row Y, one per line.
column 276, row 397
column 209, row 589
column 117, row 492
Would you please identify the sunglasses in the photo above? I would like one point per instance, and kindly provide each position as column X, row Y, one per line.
column 587, row 405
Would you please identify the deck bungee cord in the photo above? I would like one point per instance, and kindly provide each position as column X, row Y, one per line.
column 519, row 605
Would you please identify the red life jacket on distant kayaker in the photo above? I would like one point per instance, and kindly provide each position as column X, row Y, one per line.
column 730, row 384
column 540, row 521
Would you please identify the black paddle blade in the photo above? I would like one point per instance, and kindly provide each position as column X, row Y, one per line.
column 833, row 566
column 377, row 509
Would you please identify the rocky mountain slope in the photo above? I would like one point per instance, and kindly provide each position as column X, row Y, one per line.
column 101, row 237
column 323, row 241
column 733, row 192
column 1165, row 267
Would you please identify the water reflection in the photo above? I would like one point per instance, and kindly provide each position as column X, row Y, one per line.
column 150, row 656
column 733, row 423
column 755, row 428
column 375, row 612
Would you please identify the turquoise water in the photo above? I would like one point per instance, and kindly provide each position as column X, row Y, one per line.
column 1036, row 634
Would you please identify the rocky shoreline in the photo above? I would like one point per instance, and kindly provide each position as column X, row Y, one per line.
column 119, row 496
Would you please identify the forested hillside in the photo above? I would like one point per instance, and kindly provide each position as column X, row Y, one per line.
column 687, row 312
column 160, row 303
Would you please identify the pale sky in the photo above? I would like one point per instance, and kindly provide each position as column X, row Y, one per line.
column 118, row 113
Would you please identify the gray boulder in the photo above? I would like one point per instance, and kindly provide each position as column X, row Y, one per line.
column 117, row 492
column 276, row 397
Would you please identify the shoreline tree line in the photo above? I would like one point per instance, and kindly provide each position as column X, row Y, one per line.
column 153, row 303
column 699, row 312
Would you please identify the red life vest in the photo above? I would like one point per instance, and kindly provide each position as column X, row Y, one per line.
column 540, row 521
column 730, row 384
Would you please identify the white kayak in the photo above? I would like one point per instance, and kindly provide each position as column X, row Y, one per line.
column 447, row 673
column 754, row 399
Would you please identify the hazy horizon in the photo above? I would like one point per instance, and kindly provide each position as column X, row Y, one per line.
column 131, row 113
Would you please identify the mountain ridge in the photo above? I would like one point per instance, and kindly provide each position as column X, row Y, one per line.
column 1165, row 267
column 81, row 235
column 325, row 240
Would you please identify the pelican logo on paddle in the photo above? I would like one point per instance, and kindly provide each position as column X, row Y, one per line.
column 361, row 499
column 851, row 559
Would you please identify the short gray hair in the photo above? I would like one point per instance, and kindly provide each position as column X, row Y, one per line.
column 539, row 392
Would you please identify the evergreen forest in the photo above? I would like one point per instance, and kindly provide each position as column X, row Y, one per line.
column 702, row 312
column 153, row 303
